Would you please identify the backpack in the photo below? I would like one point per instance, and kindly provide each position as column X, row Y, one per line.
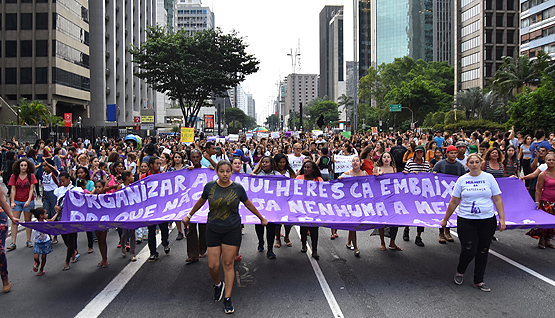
column 325, row 163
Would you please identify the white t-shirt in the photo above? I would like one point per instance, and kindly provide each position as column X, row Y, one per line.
column 295, row 162
column 475, row 194
column 48, row 182
column 463, row 161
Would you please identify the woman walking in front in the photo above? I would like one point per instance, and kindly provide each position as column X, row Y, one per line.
column 223, row 234
column 476, row 221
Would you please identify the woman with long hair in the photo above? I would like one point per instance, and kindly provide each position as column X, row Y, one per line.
column 366, row 160
column 431, row 150
column 525, row 157
column 386, row 165
column 283, row 168
column 309, row 171
column 22, row 197
column 511, row 164
column 266, row 167
column 545, row 200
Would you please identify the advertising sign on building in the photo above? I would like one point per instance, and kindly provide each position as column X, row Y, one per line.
column 67, row 119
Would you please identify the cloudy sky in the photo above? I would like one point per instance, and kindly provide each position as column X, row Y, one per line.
column 272, row 29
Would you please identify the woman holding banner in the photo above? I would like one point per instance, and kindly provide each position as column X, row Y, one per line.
column 284, row 168
column 223, row 234
column 354, row 172
column 473, row 194
column 266, row 167
column 545, row 200
column 385, row 165
column 309, row 171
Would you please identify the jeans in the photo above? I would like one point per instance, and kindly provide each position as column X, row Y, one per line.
column 475, row 237
column 3, row 234
column 270, row 234
column 152, row 237
column 49, row 203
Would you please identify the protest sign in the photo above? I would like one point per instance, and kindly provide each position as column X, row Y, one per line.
column 343, row 163
column 275, row 135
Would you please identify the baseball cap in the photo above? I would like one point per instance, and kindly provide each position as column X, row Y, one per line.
column 460, row 144
column 452, row 148
column 238, row 153
column 419, row 148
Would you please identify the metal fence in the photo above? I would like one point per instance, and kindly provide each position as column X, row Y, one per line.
column 21, row 133
column 32, row 133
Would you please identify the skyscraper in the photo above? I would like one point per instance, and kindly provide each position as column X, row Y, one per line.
column 394, row 29
column 301, row 88
column 335, row 56
column 485, row 32
column 45, row 55
column 192, row 16
column 537, row 27
column 326, row 15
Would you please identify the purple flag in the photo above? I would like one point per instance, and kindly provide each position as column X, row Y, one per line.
column 359, row 203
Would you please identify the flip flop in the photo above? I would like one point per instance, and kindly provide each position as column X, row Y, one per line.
column 550, row 245
column 395, row 248
column 383, row 248
column 35, row 267
column 76, row 258
column 66, row 268
column 541, row 246
column 41, row 273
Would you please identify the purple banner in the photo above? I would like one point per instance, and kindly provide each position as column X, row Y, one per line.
column 359, row 203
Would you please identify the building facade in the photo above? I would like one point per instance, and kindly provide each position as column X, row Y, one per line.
column 335, row 57
column 45, row 55
column 537, row 27
column 326, row 16
column 300, row 90
column 485, row 32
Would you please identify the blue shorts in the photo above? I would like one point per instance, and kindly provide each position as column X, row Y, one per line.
column 19, row 206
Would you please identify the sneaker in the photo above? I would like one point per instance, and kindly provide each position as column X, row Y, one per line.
column 219, row 291
column 271, row 255
column 406, row 235
column 260, row 248
column 459, row 278
column 153, row 258
column 145, row 237
column 180, row 236
column 228, row 306
column 494, row 239
column 482, row 286
column 123, row 252
column 29, row 244
column 418, row 241
column 133, row 258
column 167, row 249
column 11, row 247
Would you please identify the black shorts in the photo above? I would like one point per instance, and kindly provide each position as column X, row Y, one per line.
column 232, row 237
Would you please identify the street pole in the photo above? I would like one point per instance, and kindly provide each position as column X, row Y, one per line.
column 219, row 114
column 354, row 118
column 411, row 116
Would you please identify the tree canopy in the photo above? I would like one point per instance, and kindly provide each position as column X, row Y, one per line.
column 422, row 86
column 236, row 119
column 192, row 68
column 34, row 113
column 534, row 109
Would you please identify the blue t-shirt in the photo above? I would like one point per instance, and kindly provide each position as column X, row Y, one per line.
column 535, row 144
column 439, row 141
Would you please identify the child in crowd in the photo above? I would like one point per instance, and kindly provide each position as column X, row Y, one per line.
column 43, row 245
column 128, row 178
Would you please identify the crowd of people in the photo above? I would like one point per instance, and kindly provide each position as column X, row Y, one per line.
column 48, row 169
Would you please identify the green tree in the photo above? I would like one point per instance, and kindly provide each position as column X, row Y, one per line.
column 515, row 74
column 475, row 103
column 534, row 108
column 327, row 108
column 272, row 121
column 236, row 119
column 451, row 118
column 34, row 113
column 191, row 69
column 346, row 103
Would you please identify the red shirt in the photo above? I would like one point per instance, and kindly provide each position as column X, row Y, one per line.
column 22, row 187
column 148, row 173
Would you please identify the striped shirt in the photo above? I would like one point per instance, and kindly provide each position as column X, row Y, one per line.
column 412, row 166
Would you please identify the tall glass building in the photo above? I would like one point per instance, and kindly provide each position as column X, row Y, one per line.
column 391, row 29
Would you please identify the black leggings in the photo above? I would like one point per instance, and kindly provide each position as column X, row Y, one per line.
column 475, row 237
column 313, row 237
column 525, row 163
column 70, row 240
column 270, row 234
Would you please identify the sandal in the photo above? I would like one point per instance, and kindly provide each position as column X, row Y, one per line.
column 41, row 273
column 395, row 248
column 66, row 268
column 383, row 248
column 278, row 244
column 36, row 267
column 349, row 247
column 541, row 246
column 288, row 242
column 550, row 245
column 238, row 258
column 332, row 237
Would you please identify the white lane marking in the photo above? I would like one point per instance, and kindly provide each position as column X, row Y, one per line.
column 109, row 293
column 519, row 266
column 334, row 306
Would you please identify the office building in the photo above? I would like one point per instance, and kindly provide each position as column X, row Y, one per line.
column 45, row 55
column 394, row 29
column 328, row 46
column 336, row 63
column 192, row 16
column 301, row 88
column 485, row 32
column 537, row 27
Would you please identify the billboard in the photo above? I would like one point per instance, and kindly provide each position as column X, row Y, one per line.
column 208, row 122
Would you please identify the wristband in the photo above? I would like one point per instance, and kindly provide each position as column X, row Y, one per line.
column 190, row 216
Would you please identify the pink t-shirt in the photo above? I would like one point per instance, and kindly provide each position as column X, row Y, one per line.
column 548, row 192
column 301, row 177
column 22, row 187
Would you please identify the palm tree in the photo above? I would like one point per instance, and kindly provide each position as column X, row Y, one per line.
column 514, row 74
column 347, row 103
column 32, row 113
column 475, row 103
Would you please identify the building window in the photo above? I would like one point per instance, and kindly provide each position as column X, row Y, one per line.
column 11, row 75
column 63, row 77
column 11, row 48
column 41, row 47
column 26, row 75
column 26, row 21
column 41, row 74
column 42, row 97
column 11, row 21
column 41, row 21
column 26, row 49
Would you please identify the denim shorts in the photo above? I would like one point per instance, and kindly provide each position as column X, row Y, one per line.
column 19, row 206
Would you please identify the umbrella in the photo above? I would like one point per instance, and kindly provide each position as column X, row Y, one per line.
column 136, row 140
column 260, row 129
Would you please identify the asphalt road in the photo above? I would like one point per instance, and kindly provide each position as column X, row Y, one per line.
column 415, row 282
